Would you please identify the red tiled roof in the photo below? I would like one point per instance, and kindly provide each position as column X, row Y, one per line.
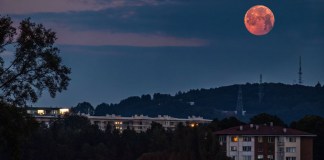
column 262, row 130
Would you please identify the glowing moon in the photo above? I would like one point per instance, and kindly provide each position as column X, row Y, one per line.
column 259, row 20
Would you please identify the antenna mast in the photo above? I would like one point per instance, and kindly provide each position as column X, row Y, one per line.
column 300, row 73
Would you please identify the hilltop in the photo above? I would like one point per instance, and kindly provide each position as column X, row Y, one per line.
column 289, row 102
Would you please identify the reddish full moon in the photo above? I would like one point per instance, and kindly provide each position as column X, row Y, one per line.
column 259, row 20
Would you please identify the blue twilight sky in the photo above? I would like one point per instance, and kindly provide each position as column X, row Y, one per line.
column 122, row 48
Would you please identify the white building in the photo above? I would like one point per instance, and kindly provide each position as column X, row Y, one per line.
column 254, row 142
column 141, row 123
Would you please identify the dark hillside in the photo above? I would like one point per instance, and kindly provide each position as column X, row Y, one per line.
column 287, row 101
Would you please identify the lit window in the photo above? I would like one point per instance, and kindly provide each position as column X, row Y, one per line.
column 40, row 112
column 234, row 138
column 291, row 139
column 260, row 139
column 291, row 149
column 233, row 148
column 247, row 157
column 246, row 148
column 260, row 157
column 118, row 123
column 64, row 110
column 120, row 128
column 246, row 139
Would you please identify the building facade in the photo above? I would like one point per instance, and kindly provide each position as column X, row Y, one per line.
column 141, row 123
column 266, row 142
column 46, row 115
column 138, row 123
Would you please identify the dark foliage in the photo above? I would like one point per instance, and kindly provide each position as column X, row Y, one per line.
column 265, row 118
column 84, row 107
column 15, row 128
column 74, row 138
column 36, row 65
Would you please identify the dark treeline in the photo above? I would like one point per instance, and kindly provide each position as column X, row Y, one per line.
column 278, row 99
column 75, row 138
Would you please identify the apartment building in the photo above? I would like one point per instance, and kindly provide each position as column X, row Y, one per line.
column 138, row 123
column 46, row 115
column 266, row 142
column 141, row 123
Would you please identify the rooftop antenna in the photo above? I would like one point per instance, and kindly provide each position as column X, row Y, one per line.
column 300, row 73
column 261, row 94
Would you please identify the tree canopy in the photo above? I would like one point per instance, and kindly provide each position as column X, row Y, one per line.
column 36, row 64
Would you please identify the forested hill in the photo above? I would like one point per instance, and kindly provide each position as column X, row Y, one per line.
column 289, row 102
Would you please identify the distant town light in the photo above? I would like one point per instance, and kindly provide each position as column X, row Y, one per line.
column 193, row 125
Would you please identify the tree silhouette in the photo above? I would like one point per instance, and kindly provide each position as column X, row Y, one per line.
column 36, row 65
column 265, row 118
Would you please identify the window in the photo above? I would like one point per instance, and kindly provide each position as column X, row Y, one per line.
column 247, row 148
column 246, row 139
column 291, row 149
column 260, row 157
column 260, row 149
column 270, row 157
column 281, row 139
column 118, row 123
column 222, row 138
column 260, row 139
column 281, row 149
column 270, row 139
column 234, row 138
column 63, row 111
column 40, row 112
column 270, row 150
column 291, row 139
column 233, row 148
column 290, row 158
column 247, row 157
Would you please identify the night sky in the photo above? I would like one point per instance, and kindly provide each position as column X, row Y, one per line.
column 122, row 48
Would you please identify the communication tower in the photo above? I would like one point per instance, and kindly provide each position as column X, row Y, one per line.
column 300, row 73
column 239, row 105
